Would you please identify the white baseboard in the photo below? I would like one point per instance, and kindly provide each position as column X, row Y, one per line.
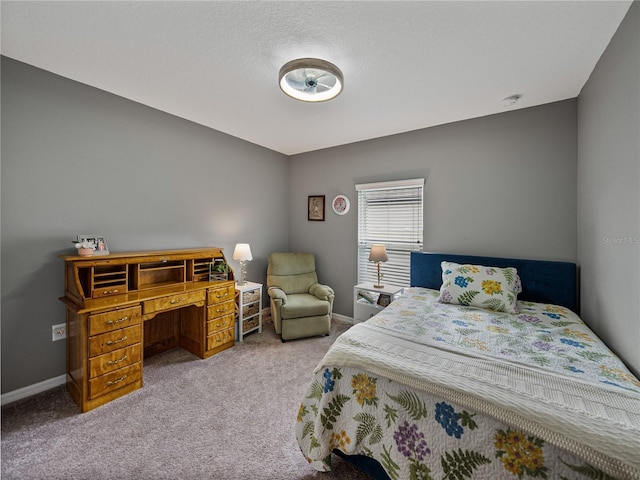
column 32, row 389
column 342, row 318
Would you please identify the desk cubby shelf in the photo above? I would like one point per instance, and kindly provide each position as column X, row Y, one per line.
column 158, row 274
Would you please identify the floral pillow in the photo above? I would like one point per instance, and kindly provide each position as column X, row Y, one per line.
column 494, row 288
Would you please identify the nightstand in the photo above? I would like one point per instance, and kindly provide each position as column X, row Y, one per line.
column 369, row 300
column 248, row 308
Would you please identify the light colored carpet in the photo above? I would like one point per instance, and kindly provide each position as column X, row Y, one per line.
column 228, row 417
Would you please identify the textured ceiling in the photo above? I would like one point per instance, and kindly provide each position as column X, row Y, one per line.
column 407, row 65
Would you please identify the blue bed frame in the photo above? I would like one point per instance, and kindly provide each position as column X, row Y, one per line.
column 542, row 281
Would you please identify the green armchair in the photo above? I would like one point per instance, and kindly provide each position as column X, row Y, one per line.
column 300, row 306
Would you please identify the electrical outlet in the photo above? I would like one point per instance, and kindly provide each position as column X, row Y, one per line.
column 59, row 332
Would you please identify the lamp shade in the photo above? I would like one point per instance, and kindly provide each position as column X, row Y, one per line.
column 378, row 253
column 242, row 252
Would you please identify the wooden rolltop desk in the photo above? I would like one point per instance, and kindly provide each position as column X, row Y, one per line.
column 123, row 307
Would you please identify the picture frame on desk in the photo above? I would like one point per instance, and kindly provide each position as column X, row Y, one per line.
column 315, row 208
column 384, row 300
column 98, row 241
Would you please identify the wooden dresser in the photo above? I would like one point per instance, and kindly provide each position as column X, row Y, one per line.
column 123, row 307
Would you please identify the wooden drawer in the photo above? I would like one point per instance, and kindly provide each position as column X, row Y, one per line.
column 108, row 342
column 221, row 294
column 220, row 309
column 173, row 301
column 220, row 338
column 112, row 361
column 106, row 322
column 112, row 381
column 221, row 323
column 110, row 290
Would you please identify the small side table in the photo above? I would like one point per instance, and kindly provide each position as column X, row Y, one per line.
column 369, row 300
column 248, row 308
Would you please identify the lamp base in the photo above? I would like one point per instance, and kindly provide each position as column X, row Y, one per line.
column 243, row 273
column 380, row 275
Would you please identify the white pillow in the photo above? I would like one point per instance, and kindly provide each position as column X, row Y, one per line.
column 493, row 288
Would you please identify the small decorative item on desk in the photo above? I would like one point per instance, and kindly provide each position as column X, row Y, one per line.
column 89, row 245
column 85, row 249
column 218, row 270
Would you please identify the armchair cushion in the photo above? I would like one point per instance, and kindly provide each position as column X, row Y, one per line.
column 303, row 305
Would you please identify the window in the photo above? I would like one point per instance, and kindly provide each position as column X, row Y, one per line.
column 389, row 213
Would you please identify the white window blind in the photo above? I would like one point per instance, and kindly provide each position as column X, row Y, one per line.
column 389, row 213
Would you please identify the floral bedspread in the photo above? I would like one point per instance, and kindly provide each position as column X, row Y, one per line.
column 543, row 335
column 415, row 434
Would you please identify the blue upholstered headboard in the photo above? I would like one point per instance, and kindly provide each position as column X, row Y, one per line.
column 542, row 281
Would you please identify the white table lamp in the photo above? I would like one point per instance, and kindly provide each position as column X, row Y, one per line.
column 378, row 254
column 242, row 253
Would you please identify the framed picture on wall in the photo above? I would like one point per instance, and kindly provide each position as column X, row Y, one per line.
column 315, row 208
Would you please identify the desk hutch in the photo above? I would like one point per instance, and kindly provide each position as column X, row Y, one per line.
column 124, row 307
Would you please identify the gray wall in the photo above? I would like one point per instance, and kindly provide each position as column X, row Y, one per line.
column 78, row 160
column 502, row 185
column 609, row 193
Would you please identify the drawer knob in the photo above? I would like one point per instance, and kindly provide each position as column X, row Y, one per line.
column 110, row 292
column 113, row 342
column 174, row 301
column 115, row 362
column 120, row 320
column 115, row 382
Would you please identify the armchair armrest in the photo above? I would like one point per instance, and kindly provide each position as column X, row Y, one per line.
column 323, row 292
column 276, row 293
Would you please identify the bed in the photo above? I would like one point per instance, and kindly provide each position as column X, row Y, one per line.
column 443, row 384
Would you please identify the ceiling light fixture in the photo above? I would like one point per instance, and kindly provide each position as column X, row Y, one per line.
column 512, row 100
column 311, row 80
